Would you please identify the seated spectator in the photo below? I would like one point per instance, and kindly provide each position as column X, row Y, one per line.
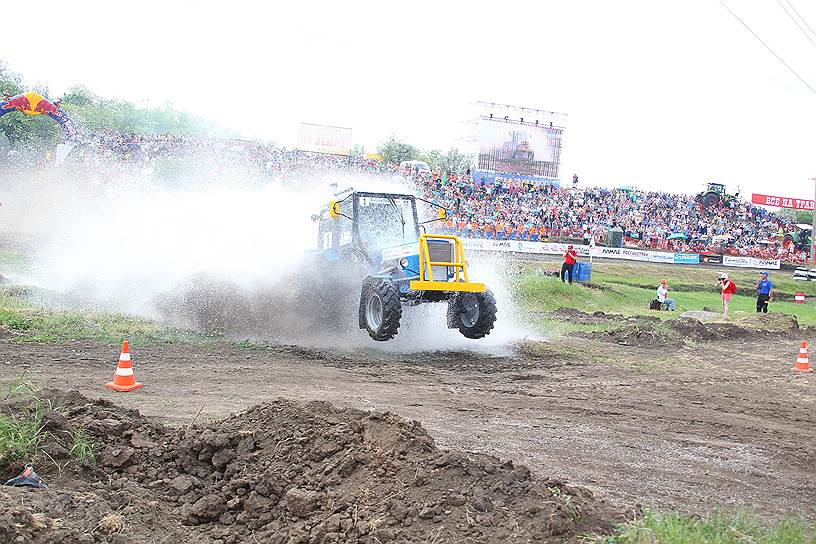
column 663, row 296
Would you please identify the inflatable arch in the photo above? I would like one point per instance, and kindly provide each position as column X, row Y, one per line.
column 33, row 103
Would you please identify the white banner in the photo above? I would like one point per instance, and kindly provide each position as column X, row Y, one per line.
column 324, row 139
column 661, row 257
column 635, row 254
column 773, row 264
column 629, row 254
column 741, row 262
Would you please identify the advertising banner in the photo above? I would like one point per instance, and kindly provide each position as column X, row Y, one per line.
column 773, row 264
column 629, row 254
column 742, row 262
column 634, row 254
column 686, row 258
column 515, row 147
column 324, row 139
column 782, row 202
column 711, row 258
column 483, row 177
column 660, row 257
column 608, row 252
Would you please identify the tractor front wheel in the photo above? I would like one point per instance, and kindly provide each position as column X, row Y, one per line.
column 474, row 313
column 380, row 309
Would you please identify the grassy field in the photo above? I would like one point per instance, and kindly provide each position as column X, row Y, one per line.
column 719, row 528
column 28, row 322
column 627, row 288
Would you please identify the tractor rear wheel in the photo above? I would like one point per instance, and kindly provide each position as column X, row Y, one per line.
column 711, row 200
column 474, row 313
column 381, row 309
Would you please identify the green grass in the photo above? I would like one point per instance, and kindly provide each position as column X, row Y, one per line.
column 22, row 432
column 13, row 262
column 627, row 289
column 82, row 447
column 30, row 323
column 719, row 528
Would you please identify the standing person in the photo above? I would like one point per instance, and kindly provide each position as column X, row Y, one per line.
column 570, row 258
column 663, row 295
column 764, row 289
column 727, row 288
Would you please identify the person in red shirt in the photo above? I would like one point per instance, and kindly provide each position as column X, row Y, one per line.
column 728, row 288
column 570, row 258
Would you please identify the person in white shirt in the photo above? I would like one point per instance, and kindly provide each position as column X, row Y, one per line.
column 663, row 295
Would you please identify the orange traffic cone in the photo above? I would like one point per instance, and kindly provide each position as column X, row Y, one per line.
column 123, row 379
column 802, row 363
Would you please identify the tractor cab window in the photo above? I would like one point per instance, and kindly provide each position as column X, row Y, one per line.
column 386, row 221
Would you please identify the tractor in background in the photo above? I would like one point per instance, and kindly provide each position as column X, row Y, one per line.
column 799, row 239
column 714, row 196
column 376, row 242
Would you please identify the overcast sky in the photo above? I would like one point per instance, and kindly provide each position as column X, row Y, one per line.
column 658, row 94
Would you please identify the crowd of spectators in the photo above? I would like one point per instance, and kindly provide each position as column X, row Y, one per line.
column 649, row 220
column 510, row 210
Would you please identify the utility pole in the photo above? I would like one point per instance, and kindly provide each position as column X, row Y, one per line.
column 813, row 231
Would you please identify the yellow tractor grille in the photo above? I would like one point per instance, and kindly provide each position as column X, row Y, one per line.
column 438, row 255
column 440, row 251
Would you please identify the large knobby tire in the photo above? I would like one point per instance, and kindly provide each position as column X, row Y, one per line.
column 475, row 313
column 711, row 200
column 381, row 310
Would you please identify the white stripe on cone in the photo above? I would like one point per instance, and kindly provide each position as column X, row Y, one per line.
column 124, row 357
column 124, row 371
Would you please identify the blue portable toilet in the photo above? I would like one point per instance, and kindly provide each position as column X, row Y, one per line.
column 582, row 271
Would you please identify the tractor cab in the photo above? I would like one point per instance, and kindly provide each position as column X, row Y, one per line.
column 365, row 224
column 717, row 188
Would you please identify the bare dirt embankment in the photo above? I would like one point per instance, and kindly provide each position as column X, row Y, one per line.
column 281, row 472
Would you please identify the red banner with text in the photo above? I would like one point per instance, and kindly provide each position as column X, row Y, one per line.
column 782, row 202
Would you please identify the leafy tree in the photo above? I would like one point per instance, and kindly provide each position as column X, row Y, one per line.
column 394, row 151
column 92, row 113
column 456, row 162
column 358, row 151
column 433, row 157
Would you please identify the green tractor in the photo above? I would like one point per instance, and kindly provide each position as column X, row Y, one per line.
column 799, row 239
column 714, row 196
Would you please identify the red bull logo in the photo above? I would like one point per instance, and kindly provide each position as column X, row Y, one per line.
column 19, row 103
column 33, row 103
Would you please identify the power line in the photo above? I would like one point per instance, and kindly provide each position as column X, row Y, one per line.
column 748, row 28
column 800, row 17
column 792, row 18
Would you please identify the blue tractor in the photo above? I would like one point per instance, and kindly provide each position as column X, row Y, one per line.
column 375, row 242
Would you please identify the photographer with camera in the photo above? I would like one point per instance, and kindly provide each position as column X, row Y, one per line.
column 727, row 288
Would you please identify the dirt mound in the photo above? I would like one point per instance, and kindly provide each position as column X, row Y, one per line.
column 284, row 472
column 641, row 332
column 703, row 315
column 577, row 316
column 770, row 323
column 649, row 331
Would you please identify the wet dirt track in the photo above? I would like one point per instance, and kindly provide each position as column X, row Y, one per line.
column 719, row 424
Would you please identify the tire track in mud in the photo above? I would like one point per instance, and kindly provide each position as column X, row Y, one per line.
column 690, row 432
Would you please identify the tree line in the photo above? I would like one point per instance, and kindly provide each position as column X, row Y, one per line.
column 394, row 151
column 93, row 113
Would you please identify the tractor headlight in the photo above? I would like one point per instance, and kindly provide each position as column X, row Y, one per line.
column 403, row 262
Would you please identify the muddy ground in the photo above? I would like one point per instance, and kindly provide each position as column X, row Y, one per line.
column 697, row 425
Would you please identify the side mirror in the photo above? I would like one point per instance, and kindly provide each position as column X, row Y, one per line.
column 334, row 209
